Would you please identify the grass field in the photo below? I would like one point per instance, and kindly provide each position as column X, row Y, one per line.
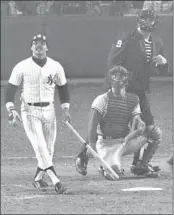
column 90, row 194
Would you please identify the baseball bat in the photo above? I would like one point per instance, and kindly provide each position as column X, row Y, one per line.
column 104, row 163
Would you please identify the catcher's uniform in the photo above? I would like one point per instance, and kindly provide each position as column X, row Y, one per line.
column 117, row 112
column 37, row 108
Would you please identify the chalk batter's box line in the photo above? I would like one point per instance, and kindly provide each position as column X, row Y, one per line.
column 25, row 158
column 69, row 156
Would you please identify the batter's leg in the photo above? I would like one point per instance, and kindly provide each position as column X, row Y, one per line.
column 50, row 132
column 33, row 129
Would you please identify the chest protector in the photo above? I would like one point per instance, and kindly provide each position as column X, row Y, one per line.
column 118, row 114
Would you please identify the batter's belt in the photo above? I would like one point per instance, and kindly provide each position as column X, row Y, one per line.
column 40, row 104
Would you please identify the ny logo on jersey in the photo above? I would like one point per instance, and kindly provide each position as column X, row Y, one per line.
column 51, row 80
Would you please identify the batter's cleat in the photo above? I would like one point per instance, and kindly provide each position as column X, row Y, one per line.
column 60, row 188
column 81, row 166
column 40, row 185
column 145, row 170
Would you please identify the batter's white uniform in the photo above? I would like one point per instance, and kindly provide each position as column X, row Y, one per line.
column 107, row 148
column 39, row 122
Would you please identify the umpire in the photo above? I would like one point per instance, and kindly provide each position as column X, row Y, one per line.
column 142, row 54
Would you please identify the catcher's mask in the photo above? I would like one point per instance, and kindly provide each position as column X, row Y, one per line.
column 118, row 77
column 147, row 20
column 39, row 46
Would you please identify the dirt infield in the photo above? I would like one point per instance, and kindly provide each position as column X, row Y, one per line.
column 90, row 194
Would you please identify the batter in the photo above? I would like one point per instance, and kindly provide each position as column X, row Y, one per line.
column 39, row 76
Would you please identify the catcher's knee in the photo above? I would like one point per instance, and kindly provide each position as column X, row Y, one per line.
column 154, row 133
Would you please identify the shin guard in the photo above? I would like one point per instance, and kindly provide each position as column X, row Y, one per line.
column 154, row 141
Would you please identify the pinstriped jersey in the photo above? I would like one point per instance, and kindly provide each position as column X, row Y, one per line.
column 38, row 82
column 117, row 112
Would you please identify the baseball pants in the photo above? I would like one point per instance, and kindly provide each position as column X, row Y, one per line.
column 107, row 148
column 40, row 127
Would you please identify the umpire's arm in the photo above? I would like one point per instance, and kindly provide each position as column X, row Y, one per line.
column 163, row 68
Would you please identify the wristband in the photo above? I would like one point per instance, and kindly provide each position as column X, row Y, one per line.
column 10, row 106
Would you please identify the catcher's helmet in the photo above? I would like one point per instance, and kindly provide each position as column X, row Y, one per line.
column 118, row 75
column 147, row 19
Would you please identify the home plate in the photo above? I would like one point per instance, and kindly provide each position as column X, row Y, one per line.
column 142, row 189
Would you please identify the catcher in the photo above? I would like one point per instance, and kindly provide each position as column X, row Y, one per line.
column 113, row 115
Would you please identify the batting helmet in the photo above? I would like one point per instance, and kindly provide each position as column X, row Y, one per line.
column 39, row 37
column 39, row 46
column 147, row 19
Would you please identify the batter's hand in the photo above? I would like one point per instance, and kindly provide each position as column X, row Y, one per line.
column 14, row 118
column 66, row 115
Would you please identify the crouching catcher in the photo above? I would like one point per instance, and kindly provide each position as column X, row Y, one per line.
column 112, row 117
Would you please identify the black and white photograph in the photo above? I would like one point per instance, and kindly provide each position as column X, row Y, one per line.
column 86, row 107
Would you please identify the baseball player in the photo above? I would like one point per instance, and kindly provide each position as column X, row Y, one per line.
column 141, row 52
column 39, row 76
column 113, row 115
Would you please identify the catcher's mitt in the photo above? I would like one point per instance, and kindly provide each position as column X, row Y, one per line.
column 81, row 163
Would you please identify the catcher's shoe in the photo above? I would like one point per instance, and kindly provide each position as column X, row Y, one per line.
column 145, row 170
column 107, row 176
column 81, row 164
column 40, row 185
column 60, row 188
column 120, row 172
column 104, row 173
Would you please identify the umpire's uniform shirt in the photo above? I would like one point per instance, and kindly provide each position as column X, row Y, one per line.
column 132, row 52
